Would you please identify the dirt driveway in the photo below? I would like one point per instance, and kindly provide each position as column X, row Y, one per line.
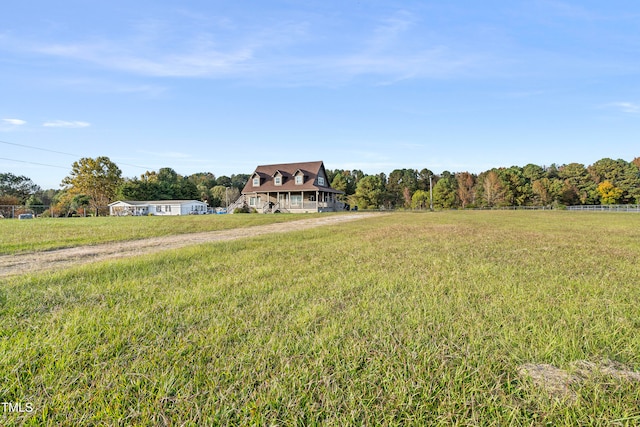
column 61, row 258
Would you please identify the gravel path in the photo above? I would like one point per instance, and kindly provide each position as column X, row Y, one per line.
column 62, row 258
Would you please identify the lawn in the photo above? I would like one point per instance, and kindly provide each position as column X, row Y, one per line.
column 54, row 233
column 404, row 319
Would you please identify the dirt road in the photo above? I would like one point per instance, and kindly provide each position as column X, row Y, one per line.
column 61, row 258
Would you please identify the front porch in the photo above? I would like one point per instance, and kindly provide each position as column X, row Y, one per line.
column 294, row 202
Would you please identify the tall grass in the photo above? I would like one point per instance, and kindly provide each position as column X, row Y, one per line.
column 408, row 319
column 54, row 233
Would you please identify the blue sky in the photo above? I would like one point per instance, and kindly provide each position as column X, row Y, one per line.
column 222, row 86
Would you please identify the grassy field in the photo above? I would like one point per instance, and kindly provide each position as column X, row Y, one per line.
column 54, row 233
column 404, row 319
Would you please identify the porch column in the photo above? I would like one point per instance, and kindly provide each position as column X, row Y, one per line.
column 317, row 200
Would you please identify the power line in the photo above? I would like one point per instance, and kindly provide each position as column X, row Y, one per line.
column 38, row 148
column 34, row 163
column 60, row 152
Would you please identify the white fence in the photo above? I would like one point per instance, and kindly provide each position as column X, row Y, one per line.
column 605, row 208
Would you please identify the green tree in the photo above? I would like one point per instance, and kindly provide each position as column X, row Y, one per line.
column 369, row 192
column 98, row 179
column 517, row 188
column 137, row 189
column 167, row 184
column 578, row 186
column 239, row 180
column 420, row 199
column 220, row 194
column 33, row 200
column 346, row 180
column 445, row 191
column 203, row 182
column 400, row 186
column 19, row 186
column 533, row 172
column 223, row 181
column 623, row 175
column 339, row 182
column 423, row 179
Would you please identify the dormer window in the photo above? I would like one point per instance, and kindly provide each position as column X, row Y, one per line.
column 299, row 179
column 277, row 180
column 256, row 181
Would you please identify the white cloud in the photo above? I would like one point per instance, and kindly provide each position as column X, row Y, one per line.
column 388, row 50
column 14, row 122
column 626, row 107
column 66, row 124
column 8, row 125
column 198, row 59
column 284, row 51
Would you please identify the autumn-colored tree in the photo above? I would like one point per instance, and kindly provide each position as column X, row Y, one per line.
column 406, row 194
column 609, row 193
column 98, row 179
column 546, row 190
column 466, row 182
column 493, row 189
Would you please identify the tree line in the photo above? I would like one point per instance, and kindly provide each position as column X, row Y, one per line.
column 95, row 182
column 607, row 181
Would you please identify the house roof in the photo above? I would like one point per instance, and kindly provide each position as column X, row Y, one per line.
column 310, row 171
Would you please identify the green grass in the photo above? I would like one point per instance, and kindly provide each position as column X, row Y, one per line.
column 406, row 319
column 54, row 233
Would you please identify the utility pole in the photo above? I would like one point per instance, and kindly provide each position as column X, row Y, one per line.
column 430, row 193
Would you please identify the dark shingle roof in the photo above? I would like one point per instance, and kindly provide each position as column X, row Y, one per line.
column 309, row 170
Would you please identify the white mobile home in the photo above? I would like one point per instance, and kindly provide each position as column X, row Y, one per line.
column 157, row 207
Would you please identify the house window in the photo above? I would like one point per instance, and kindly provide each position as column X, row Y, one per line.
column 298, row 179
column 158, row 208
column 256, row 182
column 321, row 181
column 277, row 180
column 167, row 208
column 296, row 200
column 254, row 201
